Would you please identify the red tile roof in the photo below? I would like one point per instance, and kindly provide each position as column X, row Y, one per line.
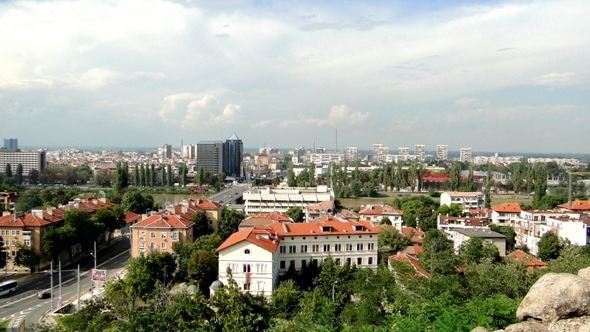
column 379, row 210
column 507, row 207
column 263, row 237
column 348, row 215
column 131, row 217
column 583, row 205
column 413, row 261
column 163, row 221
column 262, row 219
column 527, row 259
column 322, row 228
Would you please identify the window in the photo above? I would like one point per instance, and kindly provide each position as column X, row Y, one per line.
column 282, row 264
column 291, row 264
column 14, row 242
column 326, row 247
column 26, row 233
column 247, row 251
column 164, row 235
column 15, row 233
column 370, row 246
column 292, row 249
column 246, row 268
column 28, row 243
column 337, row 247
column 246, row 286
column 370, row 260
column 304, row 248
column 348, row 261
column 359, row 261
column 5, row 232
column 337, row 261
column 282, row 249
column 152, row 235
column 303, row 263
column 315, row 248
column 141, row 245
column 152, row 245
column 163, row 245
column 348, row 247
column 174, row 236
column 359, row 246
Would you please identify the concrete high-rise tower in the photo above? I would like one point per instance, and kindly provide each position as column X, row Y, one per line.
column 210, row 156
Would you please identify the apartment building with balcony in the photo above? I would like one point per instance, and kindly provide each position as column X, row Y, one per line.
column 505, row 214
column 468, row 200
column 267, row 199
column 259, row 255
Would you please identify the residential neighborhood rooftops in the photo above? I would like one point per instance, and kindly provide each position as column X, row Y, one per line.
column 479, row 232
column 577, row 204
column 379, row 209
column 507, row 208
column 165, row 220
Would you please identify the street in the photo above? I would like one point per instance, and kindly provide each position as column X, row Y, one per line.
column 25, row 303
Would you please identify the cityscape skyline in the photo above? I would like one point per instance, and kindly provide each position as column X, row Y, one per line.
column 497, row 76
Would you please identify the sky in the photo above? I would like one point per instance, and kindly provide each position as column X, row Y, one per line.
column 496, row 76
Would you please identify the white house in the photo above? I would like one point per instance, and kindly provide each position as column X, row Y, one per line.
column 376, row 212
column 505, row 214
column 257, row 256
column 468, row 200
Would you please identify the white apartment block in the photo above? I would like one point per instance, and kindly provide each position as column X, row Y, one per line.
column 379, row 150
column 324, row 158
column 31, row 160
column 257, row 256
column 442, row 152
column 468, row 200
column 267, row 199
column 420, row 151
column 165, row 151
column 351, row 153
column 189, row 151
column 465, row 155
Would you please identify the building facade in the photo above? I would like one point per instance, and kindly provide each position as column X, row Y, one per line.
column 11, row 143
column 158, row 233
column 31, row 160
column 267, row 199
column 465, row 155
column 442, row 152
column 232, row 156
column 210, row 156
column 257, row 256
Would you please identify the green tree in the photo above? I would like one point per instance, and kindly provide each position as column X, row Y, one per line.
column 285, row 300
column 229, row 222
column 453, row 210
column 203, row 268
column 18, row 176
column 295, row 213
column 438, row 256
column 102, row 179
column 475, row 250
column 134, row 201
column 111, row 218
column 202, row 224
column 33, row 176
column 510, row 234
column 391, row 240
column 549, row 246
column 29, row 199
column 571, row 259
column 145, row 271
column 8, row 170
column 239, row 311
column 26, row 257
column 121, row 181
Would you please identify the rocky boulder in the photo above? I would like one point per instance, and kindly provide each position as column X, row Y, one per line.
column 556, row 296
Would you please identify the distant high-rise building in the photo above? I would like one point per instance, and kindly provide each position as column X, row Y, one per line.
column 232, row 156
column 465, row 155
column 442, row 152
column 403, row 151
column 31, row 160
column 420, row 151
column 210, row 156
column 379, row 150
column 165, row 151
column 11, row 143
column 351, row 153
column 189, row 151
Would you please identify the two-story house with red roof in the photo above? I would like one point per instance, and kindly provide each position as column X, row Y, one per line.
column 257, row 256
column 505, row 214
column 159, row 232
column 374, row 213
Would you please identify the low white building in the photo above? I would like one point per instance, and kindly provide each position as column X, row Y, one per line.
column 505, row 214
column 374, row 213
column 468, row 200
column 461, row 235
column 267, row 199
column 257, row 256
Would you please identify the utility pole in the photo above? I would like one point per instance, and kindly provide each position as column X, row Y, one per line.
column 78, row 303
column 60, row 299
column 51, row 268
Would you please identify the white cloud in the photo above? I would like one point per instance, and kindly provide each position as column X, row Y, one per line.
column 339, row 115
column 198, row 111
column 557, row 79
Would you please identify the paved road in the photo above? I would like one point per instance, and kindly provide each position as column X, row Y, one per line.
column 25, row 303
column 230, row 194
